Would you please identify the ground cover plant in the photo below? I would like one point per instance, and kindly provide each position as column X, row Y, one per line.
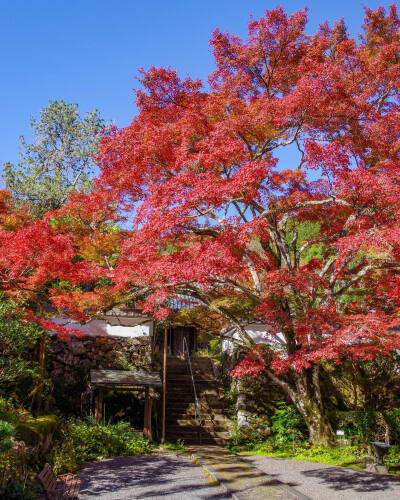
column 288, row 439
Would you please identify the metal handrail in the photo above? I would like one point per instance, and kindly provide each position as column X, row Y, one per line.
column 196, row 401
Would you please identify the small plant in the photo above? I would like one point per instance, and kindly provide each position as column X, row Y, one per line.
column 178, row 445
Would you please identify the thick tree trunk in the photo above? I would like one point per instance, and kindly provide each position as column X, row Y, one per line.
column 305, row 393
column 319, row 427
column 309, row 402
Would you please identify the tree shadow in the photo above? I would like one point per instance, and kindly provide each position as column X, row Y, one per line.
column 145, row 477
column 341, row 479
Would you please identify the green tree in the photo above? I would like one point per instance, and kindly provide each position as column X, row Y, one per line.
column 59, row 160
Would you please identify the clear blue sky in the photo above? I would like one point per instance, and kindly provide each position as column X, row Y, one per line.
column 88, row 51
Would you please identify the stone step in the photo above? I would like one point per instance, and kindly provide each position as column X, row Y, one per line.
column 202, row 440
column 216, row 407
column 206, row 419
column 183, row 406
column 187, row 393
column 187, row 427
column 188, row 433
column 187, row 379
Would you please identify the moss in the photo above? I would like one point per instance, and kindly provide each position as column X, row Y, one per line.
column 36, row 429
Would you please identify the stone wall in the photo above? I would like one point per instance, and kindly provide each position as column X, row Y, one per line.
column 255, row 398
column 68, row 363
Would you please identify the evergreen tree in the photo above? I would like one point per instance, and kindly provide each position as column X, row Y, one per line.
column 59, row 160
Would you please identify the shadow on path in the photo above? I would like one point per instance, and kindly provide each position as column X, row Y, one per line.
column 153, row 476
column 327, row 482
column 341, row 479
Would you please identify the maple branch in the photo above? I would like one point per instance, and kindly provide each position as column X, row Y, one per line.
column 356, row 278
column 305, row 204
column 327, row 266
column 284, row 385
column 382, row 100
column 253, row 273
column 236, row 205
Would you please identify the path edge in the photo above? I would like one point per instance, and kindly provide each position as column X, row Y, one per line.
column 224, row 484
column 211, row 472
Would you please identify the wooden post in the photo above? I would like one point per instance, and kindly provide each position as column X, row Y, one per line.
column 149, row 432
column 164, row 384
column 146, row 414
column 98, row 406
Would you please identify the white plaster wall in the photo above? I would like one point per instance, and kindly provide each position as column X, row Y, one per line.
column 121, row 327
column 259, row 333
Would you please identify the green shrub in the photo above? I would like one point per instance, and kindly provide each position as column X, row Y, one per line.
column 287, row 423
column 363, row 426
column 12, row 411
column 393, row 456
column 80, row 441
column 6, row 432
column 17, row 337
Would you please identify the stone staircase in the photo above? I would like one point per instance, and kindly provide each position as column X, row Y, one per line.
column 181, row 423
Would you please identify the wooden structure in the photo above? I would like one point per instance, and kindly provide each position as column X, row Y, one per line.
column 125, row 380
column 65, row 487
column 174, row 340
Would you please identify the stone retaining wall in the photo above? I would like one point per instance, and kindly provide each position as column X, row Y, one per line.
column 68, row 363
column 255, row 399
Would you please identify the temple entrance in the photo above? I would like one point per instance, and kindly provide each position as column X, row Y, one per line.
column 175, row 340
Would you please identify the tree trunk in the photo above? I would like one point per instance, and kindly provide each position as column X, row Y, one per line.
column 305, row 393
column 319, row 427
column 308, row 401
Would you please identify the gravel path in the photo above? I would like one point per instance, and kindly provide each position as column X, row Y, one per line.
column 166, row 475
column 324, row 482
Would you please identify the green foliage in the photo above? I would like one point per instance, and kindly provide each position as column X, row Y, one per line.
column 342, row 456
column 177, row 446
column 393, row 456
column 14, row 469
column 364, row 426
column 80, row 441
column 15, row 480
column 216, row 347
column 21, row 490
column 17, row 338
column 59, row 160
column 236, row 305
column 6, row 432
column 242, row 437
column 306, row 231
column 35, row 429
column 287, row 423
column 12, row 411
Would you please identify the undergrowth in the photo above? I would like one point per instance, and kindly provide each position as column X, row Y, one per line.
column 80, row 441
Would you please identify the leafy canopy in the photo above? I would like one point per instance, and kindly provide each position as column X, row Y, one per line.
column 199, row 172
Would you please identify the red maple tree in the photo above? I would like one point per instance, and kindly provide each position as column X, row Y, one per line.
column 311, row 247
column 58, row 263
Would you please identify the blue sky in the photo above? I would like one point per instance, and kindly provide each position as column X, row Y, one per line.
column 88, row 51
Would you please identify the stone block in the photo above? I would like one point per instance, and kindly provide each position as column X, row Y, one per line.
column 377, row 469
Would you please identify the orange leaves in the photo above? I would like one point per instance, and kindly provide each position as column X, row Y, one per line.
column 216, row 213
